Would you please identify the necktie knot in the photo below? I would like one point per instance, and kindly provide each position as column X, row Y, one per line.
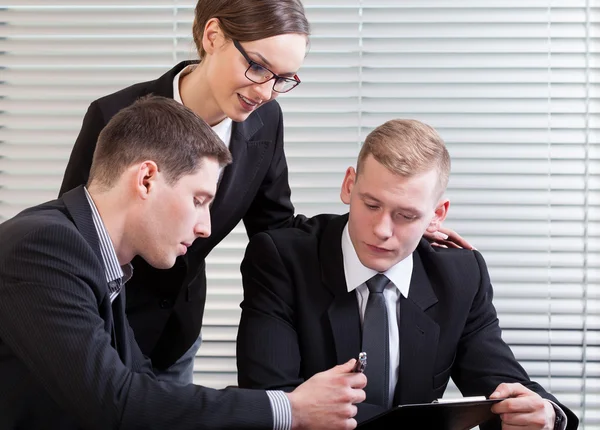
column 377, row 283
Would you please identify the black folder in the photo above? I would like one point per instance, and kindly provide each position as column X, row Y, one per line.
column 458, row 415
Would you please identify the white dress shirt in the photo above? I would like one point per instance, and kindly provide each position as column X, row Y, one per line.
column 399, row 276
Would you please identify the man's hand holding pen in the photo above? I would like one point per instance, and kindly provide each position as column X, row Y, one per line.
column 328, row 399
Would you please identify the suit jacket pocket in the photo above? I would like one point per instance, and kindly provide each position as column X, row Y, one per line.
column 440, row 380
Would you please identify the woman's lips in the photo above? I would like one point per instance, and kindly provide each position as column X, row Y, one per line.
column 247, row 104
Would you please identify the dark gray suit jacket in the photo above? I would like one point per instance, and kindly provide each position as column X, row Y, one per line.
column 68, row 358
column 295, row 295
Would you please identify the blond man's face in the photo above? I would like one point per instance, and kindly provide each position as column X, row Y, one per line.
column 389, row 213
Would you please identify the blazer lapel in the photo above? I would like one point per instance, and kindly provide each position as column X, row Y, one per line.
column 79, row 208
column 163, row 86
column 343, row 312
column 247, row 158
column 419, row 336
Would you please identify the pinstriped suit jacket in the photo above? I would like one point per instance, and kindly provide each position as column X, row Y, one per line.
column 68, row 358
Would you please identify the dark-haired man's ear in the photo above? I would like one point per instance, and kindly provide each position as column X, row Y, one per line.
column 146, row 177
column 441, row 211
column 347, row 185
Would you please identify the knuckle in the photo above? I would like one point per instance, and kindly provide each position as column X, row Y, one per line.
column 341, row 396
column 347, row 395
column 538, row 404
column 347, row 411
column 351, row 410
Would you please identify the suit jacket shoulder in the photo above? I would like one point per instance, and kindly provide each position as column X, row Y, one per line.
column 110, row 104
column 460, row 267
column 48, row 233
column 313, row 227
column 294, row 242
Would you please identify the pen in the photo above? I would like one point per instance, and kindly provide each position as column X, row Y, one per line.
column 361, row 363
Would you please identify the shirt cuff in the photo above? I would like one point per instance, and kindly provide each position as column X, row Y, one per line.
column 282, row 410
column 560, row 423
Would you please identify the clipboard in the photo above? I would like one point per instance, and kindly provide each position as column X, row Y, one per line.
column 460, row 414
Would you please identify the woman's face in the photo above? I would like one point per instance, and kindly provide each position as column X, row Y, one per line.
column 232, row 91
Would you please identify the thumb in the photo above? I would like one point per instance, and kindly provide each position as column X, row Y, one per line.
column 505, row 390
column 497, row 394
column 346, row 367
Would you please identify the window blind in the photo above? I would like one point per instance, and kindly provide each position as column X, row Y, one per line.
column 512, row 86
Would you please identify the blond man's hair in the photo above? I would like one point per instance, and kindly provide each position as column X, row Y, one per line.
column 407, row 147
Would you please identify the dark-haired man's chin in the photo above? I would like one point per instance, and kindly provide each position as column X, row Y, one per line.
column 162, row 263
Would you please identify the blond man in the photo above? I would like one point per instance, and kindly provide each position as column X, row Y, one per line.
column 367, row 281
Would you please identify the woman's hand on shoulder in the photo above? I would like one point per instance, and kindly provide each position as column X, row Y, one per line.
column 447, row 238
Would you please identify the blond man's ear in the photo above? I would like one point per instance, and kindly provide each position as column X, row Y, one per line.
column 441, row 211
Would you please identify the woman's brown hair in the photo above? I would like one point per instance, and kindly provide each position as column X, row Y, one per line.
column 248, row 20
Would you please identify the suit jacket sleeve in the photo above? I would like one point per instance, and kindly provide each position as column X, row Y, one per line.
column 272, row 207
column 80, row 161
column 271, row 360
column 49, row 317
column 483, row 360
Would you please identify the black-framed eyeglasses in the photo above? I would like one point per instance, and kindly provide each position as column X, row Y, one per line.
column 260, row 74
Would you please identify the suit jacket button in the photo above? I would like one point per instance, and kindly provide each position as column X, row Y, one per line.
column 165, row 304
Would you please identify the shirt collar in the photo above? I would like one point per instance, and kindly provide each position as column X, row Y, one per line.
column 357, row 274
column 176, row 93
column 111, row 263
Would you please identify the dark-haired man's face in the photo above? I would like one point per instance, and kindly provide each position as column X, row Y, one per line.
column 178, row 214
column 389, row 213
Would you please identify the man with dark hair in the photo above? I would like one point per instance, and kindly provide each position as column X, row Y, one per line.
column 366, row 281
column 68, row 358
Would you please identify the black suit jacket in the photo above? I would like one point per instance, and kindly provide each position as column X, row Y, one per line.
column 295, row 296
column 68, row 358
column 166, row 307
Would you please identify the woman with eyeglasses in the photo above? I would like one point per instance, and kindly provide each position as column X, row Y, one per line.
column 250, row 52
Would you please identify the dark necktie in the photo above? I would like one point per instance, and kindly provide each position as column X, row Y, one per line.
column 375, row 342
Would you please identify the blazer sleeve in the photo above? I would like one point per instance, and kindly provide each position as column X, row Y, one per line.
column 271, row 359
column 80, row 161
column 272, row 206
column 483, row 360
column 49, row 317
column 268, row 352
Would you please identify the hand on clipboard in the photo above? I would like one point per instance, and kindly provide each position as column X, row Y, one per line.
column 442, row 414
